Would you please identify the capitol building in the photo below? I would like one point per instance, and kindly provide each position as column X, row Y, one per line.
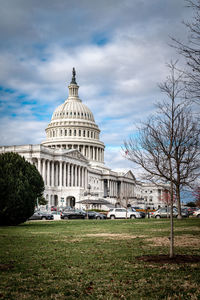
column 71, row 162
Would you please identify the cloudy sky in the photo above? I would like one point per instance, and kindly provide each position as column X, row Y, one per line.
column 119, row 49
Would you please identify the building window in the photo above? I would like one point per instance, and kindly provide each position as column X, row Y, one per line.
column 79, row 132
column 65, row 132
column 70, row 132
column 84, row 133
column 74, row 132
column 88, row 134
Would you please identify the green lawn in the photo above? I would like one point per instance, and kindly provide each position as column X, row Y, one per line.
column 89, row 259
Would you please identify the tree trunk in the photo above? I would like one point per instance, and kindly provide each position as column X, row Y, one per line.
column 171, row 224
column 178, row 199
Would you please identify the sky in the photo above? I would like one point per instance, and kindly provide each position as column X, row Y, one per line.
column 119, row 49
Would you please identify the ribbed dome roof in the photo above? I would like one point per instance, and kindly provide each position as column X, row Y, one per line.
column 73, row 109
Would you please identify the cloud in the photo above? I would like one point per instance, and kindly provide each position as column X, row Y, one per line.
column 119, row 49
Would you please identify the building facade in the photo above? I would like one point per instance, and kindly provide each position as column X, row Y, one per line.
column 71, row 162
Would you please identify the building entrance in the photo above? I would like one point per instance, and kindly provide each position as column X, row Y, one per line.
column 70, row 201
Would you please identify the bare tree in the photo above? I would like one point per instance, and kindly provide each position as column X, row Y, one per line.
column 190, row 50
column 167, row 145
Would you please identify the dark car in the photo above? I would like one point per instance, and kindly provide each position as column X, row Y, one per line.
column 95, row 215
column 140, row 210
column 73, row 214
column 39, row 215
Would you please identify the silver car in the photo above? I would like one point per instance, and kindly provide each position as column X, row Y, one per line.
column 165, row 213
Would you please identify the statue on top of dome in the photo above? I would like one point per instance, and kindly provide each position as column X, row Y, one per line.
column 73, row 76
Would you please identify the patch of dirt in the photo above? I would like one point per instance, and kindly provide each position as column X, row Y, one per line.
column 180, row 241
column 165, row 259
column 177, row 229
column 6, row 267
column 115, row 236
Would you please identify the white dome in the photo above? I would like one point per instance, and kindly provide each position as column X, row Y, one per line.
column 72, row 109
column 73, row 126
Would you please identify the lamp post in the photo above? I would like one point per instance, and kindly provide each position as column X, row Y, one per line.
column 88, row 194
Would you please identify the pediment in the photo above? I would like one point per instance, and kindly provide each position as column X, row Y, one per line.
column 130, row 175
column 76, row 155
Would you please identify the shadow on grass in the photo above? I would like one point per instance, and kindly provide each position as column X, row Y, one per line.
column 165, row 259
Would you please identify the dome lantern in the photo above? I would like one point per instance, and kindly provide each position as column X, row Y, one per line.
column 73, row 87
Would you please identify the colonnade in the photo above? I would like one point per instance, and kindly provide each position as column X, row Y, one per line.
column 62, row 174
column 122, row 188
column 113, row 188
column 90, row 152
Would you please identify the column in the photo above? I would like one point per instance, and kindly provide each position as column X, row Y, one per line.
column 93, row 153
column 68, row 174
column 75, row 175
column 89, row 152
column 48, row 173
column 60, row 182
column 86, row 179
column 52, row 174
column 39, row 165
column 43, row 171
column 72, row 175
column 64, row 177
column 84, row 151
column 79, row 176
column 97, row 154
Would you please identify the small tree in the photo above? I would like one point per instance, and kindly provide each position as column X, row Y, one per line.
column 20, row 186
column 167, row 145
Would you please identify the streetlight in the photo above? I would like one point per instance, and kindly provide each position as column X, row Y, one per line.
column 88, row 194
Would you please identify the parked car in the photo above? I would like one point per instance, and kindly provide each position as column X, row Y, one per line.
column 73, row 214
column 120, row 213
column 96, row 215
column 164, row 213
column 191, row 210
column 197, row 213
column 140, row 210
column 39, row 215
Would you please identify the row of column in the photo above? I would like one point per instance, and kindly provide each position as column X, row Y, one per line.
column 62, row 174
column 90, row 152
column 127, row 189
column 113, row 187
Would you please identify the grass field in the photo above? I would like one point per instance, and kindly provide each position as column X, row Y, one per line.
column 89, row 259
